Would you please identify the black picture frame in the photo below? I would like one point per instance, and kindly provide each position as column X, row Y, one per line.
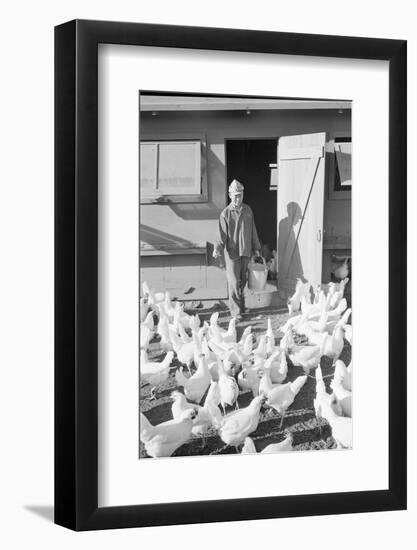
column 76, row 271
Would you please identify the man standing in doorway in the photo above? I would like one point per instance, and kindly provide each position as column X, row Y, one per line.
column 238, row 240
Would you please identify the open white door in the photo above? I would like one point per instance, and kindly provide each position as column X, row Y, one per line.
column 300, row 196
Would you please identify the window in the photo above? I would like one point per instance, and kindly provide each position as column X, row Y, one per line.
column 171, row 171
column 343, row 164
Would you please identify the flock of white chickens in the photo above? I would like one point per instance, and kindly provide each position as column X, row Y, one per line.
column 213, row 367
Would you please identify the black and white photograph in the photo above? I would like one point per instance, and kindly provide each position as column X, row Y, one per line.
column 186, row 266
column 245, row 275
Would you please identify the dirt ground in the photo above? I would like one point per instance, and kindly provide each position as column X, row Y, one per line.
column 309, row 433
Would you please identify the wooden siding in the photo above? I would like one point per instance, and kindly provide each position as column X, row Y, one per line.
column 186, row 277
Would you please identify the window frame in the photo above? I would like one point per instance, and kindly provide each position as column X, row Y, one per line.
column 177, row 198
column 333, row 193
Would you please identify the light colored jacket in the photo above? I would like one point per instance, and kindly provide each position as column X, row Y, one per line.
column 237, row 232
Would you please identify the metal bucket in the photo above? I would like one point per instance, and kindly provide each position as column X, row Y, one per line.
column 258, row 274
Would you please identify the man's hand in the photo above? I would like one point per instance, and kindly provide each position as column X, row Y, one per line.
column 216, row 254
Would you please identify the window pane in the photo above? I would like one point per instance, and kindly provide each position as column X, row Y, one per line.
column 344, row 162
column 179, row 168
column 148, row 166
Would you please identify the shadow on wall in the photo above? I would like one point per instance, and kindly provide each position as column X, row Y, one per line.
column 161, row 240
column 158, row 238
column 289, row 258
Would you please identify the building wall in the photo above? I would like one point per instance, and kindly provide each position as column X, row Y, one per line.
column 195, row 224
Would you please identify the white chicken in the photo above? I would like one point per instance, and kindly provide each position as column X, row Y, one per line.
column 212, row 402
column 231, row 334
column 306, row 326
column 332, row 345
column 149, row 322
column 220, row 336
column 260, row 352
column 282, row 447
column 265, row 384
column 218, row 348
column 248, row 379
column 196, row 386
column 194, row 323
column 291, row 323
column 246, row 348
column 286, row 341
column 184, row 337
column 337, row 311
column 308, row 357
column 206, row 416
column 146, row 336
column 343, row 397
column 144, row 426
column 188, row 321
column 348, row 333
column 341, row 321
column 185, row 352
column 343, row 374
column 147, row 330
column 280, row 396
column 151, row 295
column 338, row 293
column 270, row 338
column 165, row 438
column 294, row 302
column 229, row 390
column 310, row 310
column 327, row 407
column 143, row 308
column 214, row 329
column 168, row 306
column 245, row 333
column 277, row 366
column 317, row 291
column 205, row 349
column 239, row 424
column 163, row 330
column 154, row 373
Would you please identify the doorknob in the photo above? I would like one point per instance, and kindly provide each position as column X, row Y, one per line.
column 319, row 235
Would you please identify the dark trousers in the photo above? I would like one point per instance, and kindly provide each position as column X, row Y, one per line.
column 236, row 273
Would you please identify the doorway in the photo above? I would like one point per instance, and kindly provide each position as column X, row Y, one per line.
column 248, row 160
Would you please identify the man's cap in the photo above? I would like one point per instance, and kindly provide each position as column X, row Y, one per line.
column 236, row 187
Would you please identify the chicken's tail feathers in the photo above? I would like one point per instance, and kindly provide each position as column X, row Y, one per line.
column 342, row 305
column 289, row 436
column 298, row 383
column 340, row 370
column 320, row 387
column 317, row 408
column 213, row 318
column 345, row 317
column 195, row 323
column 248, row 447
column 145, row 428
column 248, row 330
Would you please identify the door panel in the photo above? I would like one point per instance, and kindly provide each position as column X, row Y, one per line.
column 301, row 172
